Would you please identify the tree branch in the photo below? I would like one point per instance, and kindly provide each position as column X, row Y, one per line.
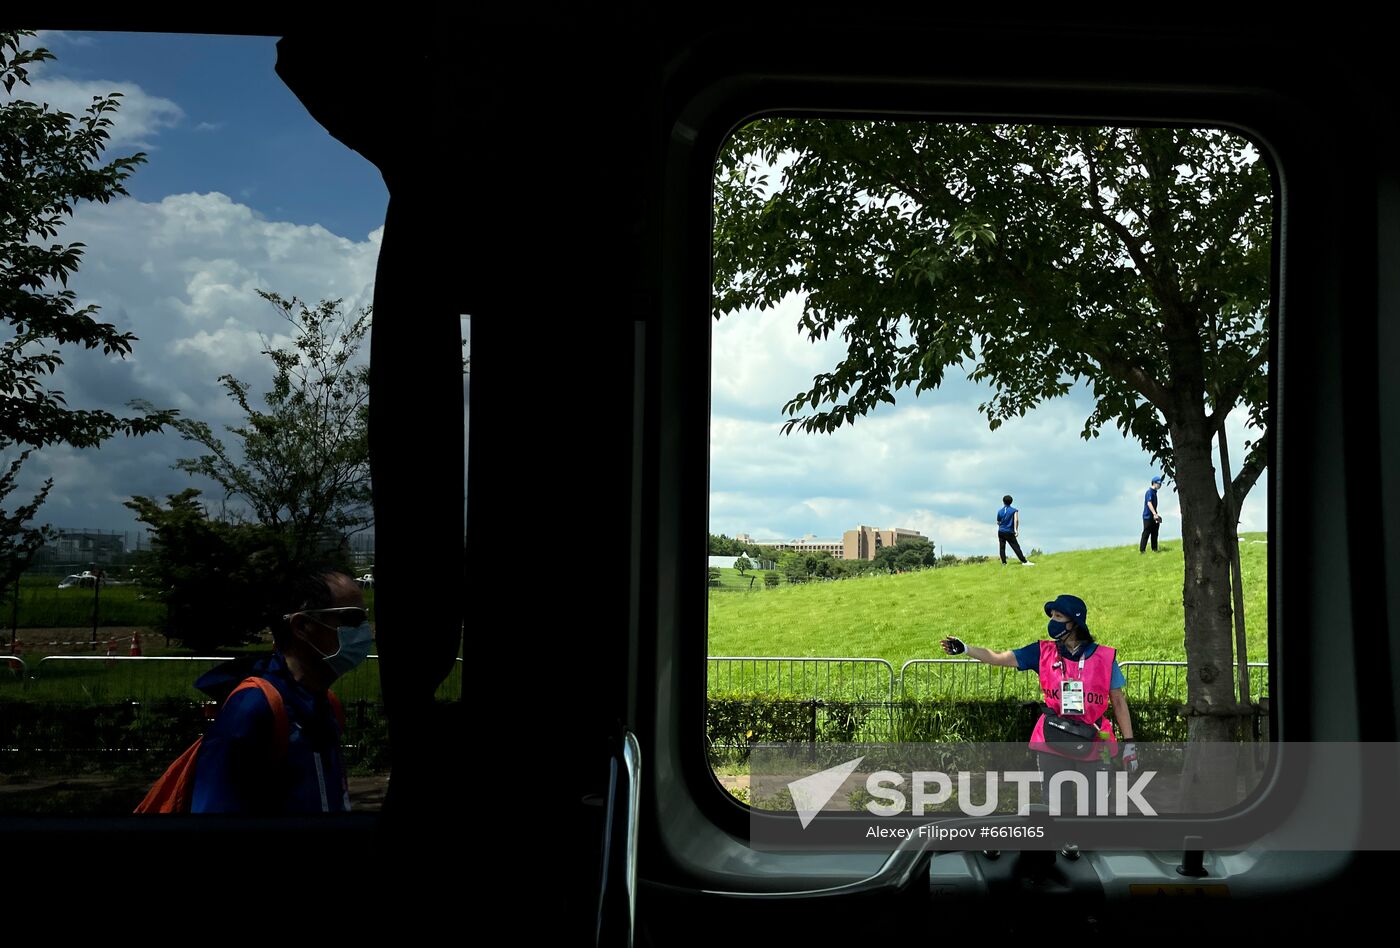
column 1115, row 226
column 1254, row 465
column 1119, row 367
column 1230, row 394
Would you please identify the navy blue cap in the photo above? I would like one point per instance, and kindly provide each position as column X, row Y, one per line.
column 1157, row 479
column 1071, row 606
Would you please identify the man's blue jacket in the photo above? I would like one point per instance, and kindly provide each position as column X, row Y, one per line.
column 240, row 770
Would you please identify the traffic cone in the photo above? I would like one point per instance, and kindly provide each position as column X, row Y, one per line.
column 18, row 647
column 111, row 647
column 135, row 643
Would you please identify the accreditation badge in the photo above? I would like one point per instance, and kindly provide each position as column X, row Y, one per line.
column 1071, row 697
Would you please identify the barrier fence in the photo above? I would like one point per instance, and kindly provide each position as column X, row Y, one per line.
column 97, row 678
column 853, row 679
column 963, row 678
column 764, row 699
column 837, row 679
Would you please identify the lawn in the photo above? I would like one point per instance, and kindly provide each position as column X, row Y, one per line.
column 42, row 605
column 1134, row 605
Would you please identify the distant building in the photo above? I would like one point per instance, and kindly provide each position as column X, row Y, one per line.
column 862, row 543
column 84, row 546
column 807, row 544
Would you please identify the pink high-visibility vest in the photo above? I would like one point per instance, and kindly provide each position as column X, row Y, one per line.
column 1096, row 672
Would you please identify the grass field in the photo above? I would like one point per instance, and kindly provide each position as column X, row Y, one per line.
column 1134, row 605
column 42, row 605
column 97, row 682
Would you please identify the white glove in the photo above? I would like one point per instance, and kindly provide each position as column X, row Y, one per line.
column 1129, row 755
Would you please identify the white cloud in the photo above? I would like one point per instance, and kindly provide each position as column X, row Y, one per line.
column 136, row 124
column 181, row 274
column 929, row 463
column 50, row 39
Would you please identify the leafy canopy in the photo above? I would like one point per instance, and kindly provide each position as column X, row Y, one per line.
column 302, row 462
column 50, row 162
column 1037, row 257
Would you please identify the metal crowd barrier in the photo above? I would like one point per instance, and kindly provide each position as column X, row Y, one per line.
column 832, row 679
column 847, row 679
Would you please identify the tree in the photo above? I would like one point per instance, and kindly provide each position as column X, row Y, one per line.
column 743, row 565
column 1134, row 261
column 20, row 541
column 722, row 545
column 793, row 566
column 303, row 467
column 770, row 579
column 216, row 578
column 905, row 555
column 50, row 162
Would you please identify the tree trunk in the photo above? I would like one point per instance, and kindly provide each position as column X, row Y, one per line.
column 1210, row 695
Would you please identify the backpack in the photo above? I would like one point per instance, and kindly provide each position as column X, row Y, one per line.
column 173, row 791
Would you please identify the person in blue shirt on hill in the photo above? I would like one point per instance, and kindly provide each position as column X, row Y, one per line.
column 254, row 760
column 1008, row 526
column 1151, row 517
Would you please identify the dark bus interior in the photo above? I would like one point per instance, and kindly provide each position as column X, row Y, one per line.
column 549, row 174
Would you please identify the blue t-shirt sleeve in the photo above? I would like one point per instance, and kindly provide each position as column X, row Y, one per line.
column 231, row 771
column 1118, row 681
column 1027, row 657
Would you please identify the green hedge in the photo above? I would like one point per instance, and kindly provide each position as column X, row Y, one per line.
column 736, row 722
column 145, row 736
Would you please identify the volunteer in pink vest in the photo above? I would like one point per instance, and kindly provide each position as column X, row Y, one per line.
column 1080, row 681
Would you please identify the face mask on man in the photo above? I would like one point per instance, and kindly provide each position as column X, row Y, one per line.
column 354, row 647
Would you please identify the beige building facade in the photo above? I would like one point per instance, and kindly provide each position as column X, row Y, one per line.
column 862, row 543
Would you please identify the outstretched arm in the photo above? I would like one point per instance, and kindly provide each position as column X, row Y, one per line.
column 956, row 646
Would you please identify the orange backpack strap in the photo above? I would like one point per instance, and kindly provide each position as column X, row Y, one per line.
column 174, row 791
column 337, row 708
column 281, row 727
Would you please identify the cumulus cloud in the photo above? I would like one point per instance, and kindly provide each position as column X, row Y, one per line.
column 928, row 463
column 136, row 124
column 182, row 274
column 52, row 38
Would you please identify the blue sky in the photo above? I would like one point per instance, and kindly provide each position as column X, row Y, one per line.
column 244, row 191
column 238, row 130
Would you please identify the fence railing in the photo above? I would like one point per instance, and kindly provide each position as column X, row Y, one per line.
column 832, row 679
column 142, row 677
column 1161, row 681
column 964, row 678
column 854, row 679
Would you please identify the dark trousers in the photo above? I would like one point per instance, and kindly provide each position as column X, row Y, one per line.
column 1051, row 764
column 1149, row 530
column 1003, row 539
